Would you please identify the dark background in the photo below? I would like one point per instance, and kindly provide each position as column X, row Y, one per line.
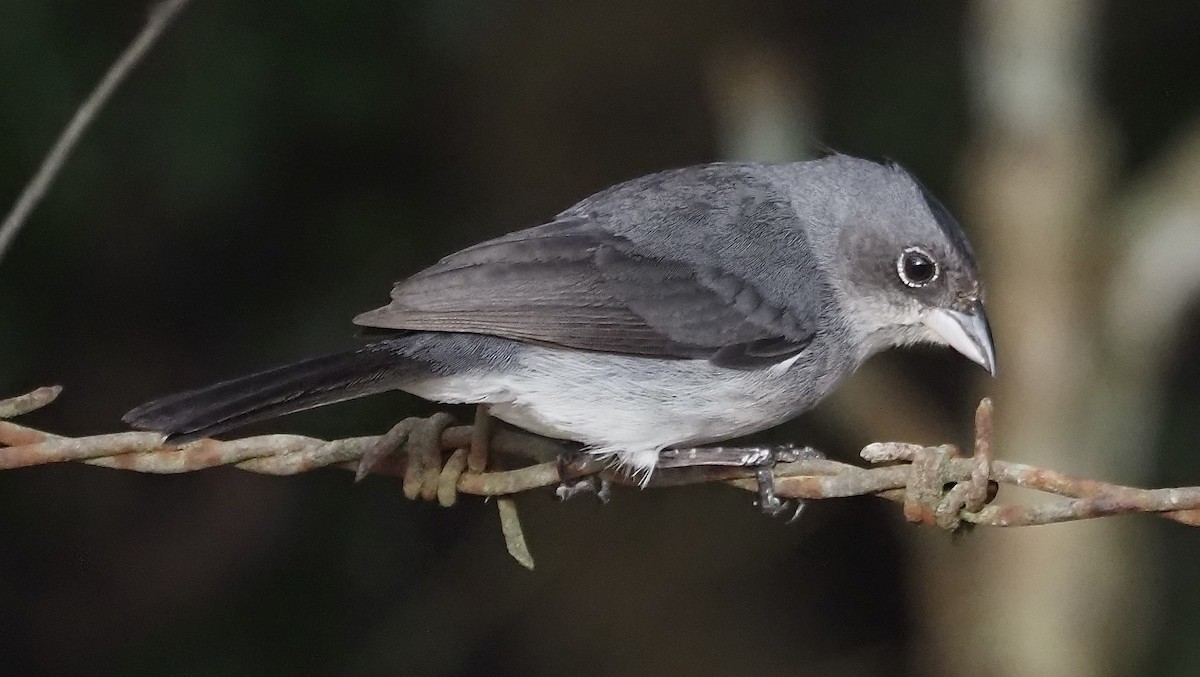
column 272, row 168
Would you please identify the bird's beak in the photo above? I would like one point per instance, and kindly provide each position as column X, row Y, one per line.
column 967, row 332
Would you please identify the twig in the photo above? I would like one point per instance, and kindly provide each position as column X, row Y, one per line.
column 157, row 21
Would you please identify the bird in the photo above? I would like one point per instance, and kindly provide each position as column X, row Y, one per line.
column 677, row 309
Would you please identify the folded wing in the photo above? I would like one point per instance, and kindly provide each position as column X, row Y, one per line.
column 571, row 283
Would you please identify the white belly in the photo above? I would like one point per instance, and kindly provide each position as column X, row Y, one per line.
column 629, row 407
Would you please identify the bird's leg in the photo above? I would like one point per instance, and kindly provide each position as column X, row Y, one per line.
column 604, row 493
column 768, row 502
column 739, row 457
column 591, row 484
column 761, row 458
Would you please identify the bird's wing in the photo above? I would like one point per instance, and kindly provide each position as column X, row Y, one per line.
column 571, row 283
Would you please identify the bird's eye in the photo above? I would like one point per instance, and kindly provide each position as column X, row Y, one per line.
column 916, row 267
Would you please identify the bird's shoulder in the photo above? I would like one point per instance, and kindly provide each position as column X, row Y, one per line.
column 710, row 186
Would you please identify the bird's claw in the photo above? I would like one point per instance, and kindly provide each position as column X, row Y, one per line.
column 768, row 501
column 569, row 466
column 569, row 489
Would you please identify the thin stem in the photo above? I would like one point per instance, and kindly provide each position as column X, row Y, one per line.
column 157, row 21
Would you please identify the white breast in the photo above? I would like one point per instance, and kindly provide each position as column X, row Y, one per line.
column 626, row 406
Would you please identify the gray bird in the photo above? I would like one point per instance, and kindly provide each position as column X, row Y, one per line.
column 676, row 309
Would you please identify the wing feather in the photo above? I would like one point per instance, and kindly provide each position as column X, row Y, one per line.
column 572, row 283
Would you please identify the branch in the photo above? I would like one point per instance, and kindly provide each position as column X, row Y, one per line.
column 159, row 18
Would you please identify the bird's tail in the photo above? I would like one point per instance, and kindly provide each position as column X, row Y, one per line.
column 312, row 383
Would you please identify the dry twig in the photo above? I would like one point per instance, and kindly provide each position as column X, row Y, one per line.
column 157, row 21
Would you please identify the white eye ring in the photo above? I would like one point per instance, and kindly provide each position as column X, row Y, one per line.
column 916, row 267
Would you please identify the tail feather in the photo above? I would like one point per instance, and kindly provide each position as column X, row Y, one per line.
column 312, row 383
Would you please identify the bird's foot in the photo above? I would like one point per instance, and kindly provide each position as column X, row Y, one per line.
column 763, row 459
column 586, row 485
column 570, row 463
column 770, row 504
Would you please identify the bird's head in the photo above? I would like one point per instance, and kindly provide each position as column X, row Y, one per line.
column 904, row 267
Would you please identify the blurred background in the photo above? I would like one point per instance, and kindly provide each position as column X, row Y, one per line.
column 272, row 168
